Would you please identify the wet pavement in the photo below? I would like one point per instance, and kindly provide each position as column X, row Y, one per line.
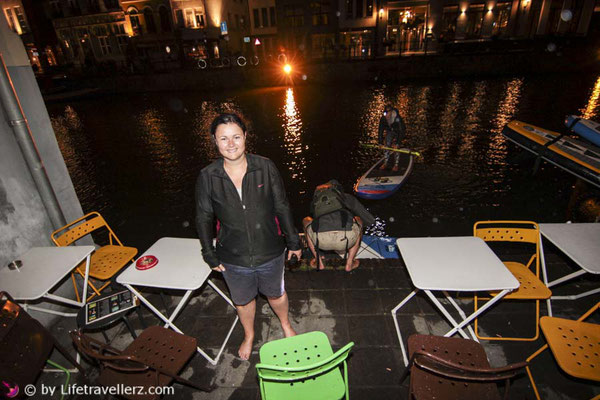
column 354, row 307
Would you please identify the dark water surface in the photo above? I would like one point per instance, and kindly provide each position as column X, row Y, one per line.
column 135, row 158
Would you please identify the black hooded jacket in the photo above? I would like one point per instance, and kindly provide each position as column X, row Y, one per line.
column 398, row 128
column 248, row 234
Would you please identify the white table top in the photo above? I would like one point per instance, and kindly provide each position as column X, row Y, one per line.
column 42, row 269
column 581, row 242
column 463, row 263
column 180, row 266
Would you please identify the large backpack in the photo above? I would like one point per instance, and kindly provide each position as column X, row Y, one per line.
column 328, row 198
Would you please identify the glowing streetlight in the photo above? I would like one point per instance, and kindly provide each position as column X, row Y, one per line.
column 287, row 68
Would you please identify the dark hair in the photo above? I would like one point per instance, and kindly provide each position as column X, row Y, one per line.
column 227, row 118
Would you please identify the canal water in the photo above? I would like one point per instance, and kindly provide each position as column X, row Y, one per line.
column 135, row 157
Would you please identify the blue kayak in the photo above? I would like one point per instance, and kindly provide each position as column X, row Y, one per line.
column 587, row 129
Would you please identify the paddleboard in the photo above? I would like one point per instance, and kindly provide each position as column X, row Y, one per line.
column 587, row 129
column 378, row 247
column 379, row 184
column 572, row 155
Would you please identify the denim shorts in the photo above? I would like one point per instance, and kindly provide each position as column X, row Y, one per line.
column 244, row 283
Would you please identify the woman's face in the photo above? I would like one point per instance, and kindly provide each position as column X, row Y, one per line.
column 231, row 141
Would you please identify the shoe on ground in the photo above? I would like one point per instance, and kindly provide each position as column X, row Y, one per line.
column 395, row 168
column 382, row 167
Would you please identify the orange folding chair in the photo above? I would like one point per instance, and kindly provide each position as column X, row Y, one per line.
column 106, row 261
column 575, row 346
column 531, row 286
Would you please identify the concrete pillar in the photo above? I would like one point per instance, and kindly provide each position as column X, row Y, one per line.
column 512, row 21
column 24, row 222
column 586, row 17
column 488, row 19
column 563, row 26
column 461, row 22
column 544, row 14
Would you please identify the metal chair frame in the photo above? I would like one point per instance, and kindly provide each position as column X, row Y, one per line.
column 514, row 231
column 544, row 347
column 79, row 228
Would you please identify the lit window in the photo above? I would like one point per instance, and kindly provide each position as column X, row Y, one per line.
column 9, row 19
column 21, row 19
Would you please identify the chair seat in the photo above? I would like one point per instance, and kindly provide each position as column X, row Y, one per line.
column 108, row 260
column 299, row 351
column 575, row 346
column 158, row 347
column 426, row 385
column 24, row 349
column 530, row 286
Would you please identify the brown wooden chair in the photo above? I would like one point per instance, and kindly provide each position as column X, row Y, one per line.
column 105, row 261
column 454, row 368
column 154, row 359
column 25, row 345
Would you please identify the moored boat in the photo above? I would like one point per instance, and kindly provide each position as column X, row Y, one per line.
column 572, row 155
column 587, row 129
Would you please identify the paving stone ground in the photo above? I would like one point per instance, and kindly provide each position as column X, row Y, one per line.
column 352, row 307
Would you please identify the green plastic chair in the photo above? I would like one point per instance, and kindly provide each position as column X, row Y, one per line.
column 302, row 367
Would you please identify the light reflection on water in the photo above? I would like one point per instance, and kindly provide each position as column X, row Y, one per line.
column 590, row 109
column 136, row 158
column 292, row 125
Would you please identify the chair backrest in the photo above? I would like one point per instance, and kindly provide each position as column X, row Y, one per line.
column 507, row 231
column 453, row 370
column 81, row 227
column 104, row 354
column 290, row 374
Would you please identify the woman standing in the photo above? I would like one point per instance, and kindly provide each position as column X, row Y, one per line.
column 245, row 193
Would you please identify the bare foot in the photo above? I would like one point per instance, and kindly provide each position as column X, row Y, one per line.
column 288, row 331
column 313, row 263
column 245, row 348
column 355, row 264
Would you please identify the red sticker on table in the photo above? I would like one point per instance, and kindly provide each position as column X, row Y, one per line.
column 146, row 262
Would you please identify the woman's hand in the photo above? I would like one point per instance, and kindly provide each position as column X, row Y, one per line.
column 297, row 253
column 219, row 268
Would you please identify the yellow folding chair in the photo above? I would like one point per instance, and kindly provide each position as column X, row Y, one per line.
column 575, row 346
column 105, row 261
column 531, row 287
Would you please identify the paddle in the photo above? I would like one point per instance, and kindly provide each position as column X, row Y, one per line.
column 376, row 146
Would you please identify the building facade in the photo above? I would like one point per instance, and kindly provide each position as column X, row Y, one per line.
column 211, row 28
column 368, row 28
column 141, row 35
column 263, row 39
column 92, row 32
column 410, row 26
column 29, row 19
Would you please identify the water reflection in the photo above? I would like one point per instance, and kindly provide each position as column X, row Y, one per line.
column 369, row 121
column 448, row 121
column 590, row 108
column 505, row 113
column 472, row 122
column 293, row 129
column 156, row 145
column 139, row 156
column 77, row 150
